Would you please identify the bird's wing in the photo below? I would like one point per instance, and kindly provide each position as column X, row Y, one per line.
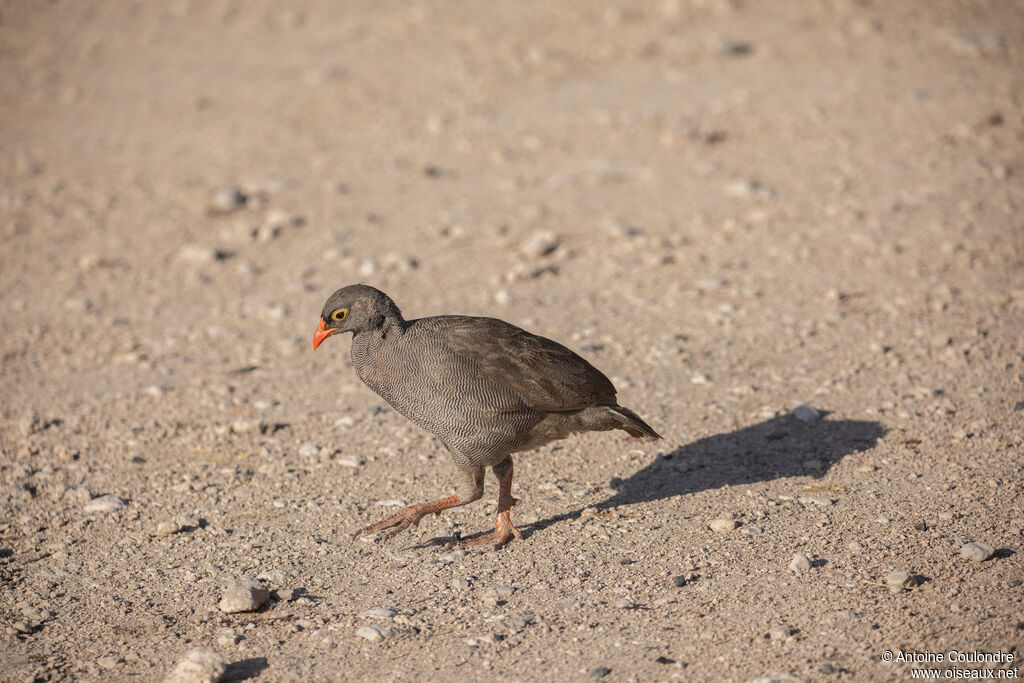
column 548, row 376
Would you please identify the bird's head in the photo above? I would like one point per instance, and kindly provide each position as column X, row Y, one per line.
column 356, row 308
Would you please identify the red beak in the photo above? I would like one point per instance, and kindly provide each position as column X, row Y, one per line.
column 322, row 333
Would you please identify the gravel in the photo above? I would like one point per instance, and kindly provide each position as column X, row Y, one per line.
column 156, row 340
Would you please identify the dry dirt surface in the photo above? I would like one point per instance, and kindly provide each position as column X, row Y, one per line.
column 791, row 234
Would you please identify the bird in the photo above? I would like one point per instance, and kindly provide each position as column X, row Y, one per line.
column 486, row 388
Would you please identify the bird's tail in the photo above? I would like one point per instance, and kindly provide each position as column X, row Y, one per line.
column 631, row 423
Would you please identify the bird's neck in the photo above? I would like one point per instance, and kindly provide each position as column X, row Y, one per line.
column 390, row 329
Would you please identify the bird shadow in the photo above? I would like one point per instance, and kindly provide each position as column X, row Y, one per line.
column 778, row 448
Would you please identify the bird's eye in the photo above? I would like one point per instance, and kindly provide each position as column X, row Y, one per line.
column 339, row 314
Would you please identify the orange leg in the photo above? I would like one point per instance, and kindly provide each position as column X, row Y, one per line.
column 503, row 528
column 409, row 516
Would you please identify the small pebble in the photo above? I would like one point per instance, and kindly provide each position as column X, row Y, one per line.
column 521, row 621
column 201, row 665
column 898, row 580
column 977, row 551
column 274, row 576
column 460, row 584
column 167, row 528
column 374, row 632
column 109, row 662
column 800, row 563
column 806, row 414
column 227, row 637
column 197, row 254
column 504, row 591
column 105, row 504
column 679, row 581
column 821, row 501
column 711, row 284
column 780, row 632
column 244, row 594
column 379, row 613
column 540, row 243
column 736, row 48
column 30, row 422
column 272, row 227
column 243, row 426
column 226, row 199
column 308, row 450
column 600, row 672
column 723, row 524
column 353, row 461
column 625, row 603
column 453, row 556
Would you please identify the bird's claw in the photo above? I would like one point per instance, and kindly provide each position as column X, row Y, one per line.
column 503, row 532
column 395, row 524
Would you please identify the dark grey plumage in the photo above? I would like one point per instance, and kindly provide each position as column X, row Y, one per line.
column 485, row 387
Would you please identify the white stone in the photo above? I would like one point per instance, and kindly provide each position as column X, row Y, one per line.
column 201, row 665
column 105, row 504
column 244, row 594
column 977, row 551
column 800, row 563
column 374, row 632
column 723, row 524
column 806, row 414
column 540, row 243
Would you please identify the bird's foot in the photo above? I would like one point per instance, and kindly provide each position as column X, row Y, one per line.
column 410, row 516
column 395, row 524
column 503, row 532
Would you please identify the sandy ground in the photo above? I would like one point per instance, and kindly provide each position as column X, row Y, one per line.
column 732, row 208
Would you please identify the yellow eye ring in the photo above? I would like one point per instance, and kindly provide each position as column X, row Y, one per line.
column 339, row 315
